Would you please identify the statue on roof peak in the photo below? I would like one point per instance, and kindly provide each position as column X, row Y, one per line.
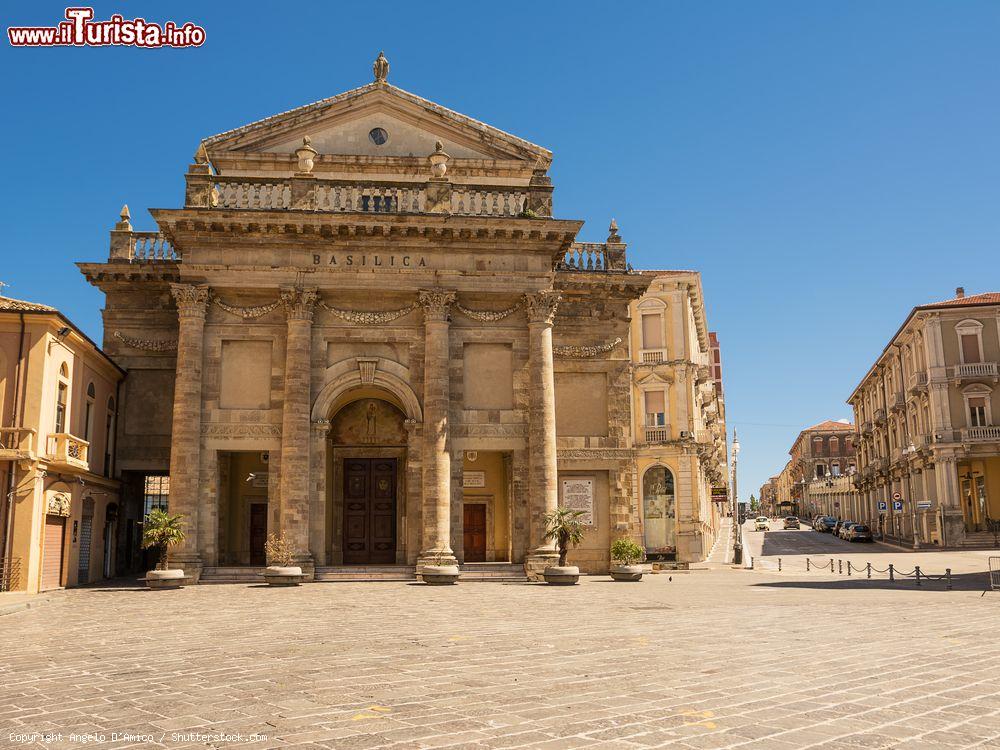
column 380, row 68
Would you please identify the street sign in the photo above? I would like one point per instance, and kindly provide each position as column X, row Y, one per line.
column 883, row 505
column 897, row 505
column 924, row 505
column 896, row 496
column 720, row 494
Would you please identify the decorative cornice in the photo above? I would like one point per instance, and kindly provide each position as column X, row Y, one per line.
column 248, row 313
column 365, row 317
column 192, row 301
column 436, row 303
column 542, row 306
column 488, row 316
column 147, row 345
column 239, row 430
column 299, row 303
column 583, row 352
column 609, row 454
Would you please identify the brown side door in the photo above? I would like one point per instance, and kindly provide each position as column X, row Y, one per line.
column 369, row 511
column 52, row 552
column 258, row 533
column 474, row 532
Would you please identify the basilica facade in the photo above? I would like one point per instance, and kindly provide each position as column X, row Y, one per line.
column 366, row 331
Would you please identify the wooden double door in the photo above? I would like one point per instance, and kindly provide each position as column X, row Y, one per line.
column 369, row 511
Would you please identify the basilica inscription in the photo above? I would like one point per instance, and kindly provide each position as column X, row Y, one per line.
column 368, row 260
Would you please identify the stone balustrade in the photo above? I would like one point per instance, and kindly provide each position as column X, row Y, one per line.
column 657, row 434
column 487, row 202
column 976, row 370
column 68, row 451
column 17, row 443
column 586, row 256
column 141, row 247
column 989, row 433
column 917, row 381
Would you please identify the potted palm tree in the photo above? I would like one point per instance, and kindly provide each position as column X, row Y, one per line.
column 161, row 531
column 280, row 556
column 439, row 574
column 563, row 525
column 628, row 555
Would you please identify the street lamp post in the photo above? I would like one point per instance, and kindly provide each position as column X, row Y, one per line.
column 737, row 540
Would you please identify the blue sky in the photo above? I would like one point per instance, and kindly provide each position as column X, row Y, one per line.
column 825, row 165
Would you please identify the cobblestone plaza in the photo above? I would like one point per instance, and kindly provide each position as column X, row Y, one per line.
column 714, row 658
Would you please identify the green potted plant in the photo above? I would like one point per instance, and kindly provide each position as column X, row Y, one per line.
column 564, row 526
column 280, row 556
column 438, row 573
column 628, row 555
column 161, row 531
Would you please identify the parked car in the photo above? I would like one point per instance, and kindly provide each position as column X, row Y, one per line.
column 791, row 522
column 844, row 528
column 859, row 533
column 825, row 524
column 761, row 524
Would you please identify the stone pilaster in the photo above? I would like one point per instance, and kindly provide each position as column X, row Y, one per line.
column 295, row 425
column 317, row 512
column 543, row 488
column 436, row 537
column 185, row 437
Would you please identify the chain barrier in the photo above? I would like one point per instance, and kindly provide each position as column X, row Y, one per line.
column 917, row 574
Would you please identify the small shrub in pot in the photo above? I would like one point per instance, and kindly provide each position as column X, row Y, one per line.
column 625, row 558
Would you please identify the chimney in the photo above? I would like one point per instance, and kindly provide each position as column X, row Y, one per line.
column 959, row 292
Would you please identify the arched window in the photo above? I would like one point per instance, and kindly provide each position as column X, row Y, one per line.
column 88, row 413
column 659, row 510
column 109, row 437
column 62, row 398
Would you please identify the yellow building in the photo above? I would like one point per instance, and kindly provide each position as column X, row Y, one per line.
column 60, row 524
column 679, row 417
column 929, row 450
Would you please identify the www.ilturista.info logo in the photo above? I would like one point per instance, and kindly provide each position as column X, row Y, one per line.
column 79, row 30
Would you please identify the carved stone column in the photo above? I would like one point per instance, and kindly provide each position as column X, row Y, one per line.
column 436, row 538
column 543, row 489
column 295, row 425
column 185, row 437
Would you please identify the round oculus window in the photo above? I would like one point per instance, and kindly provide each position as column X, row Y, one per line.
column 378, row 136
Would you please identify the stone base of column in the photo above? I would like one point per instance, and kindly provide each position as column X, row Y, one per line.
column 434, row 557
column 308, row 565
column 191, row 564
column 536, row 563
column 954, row 527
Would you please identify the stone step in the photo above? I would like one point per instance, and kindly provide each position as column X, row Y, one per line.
column 346, row 573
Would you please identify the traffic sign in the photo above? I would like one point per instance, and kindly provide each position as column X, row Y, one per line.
column 896, row 496
column 897, row 505
column 883, row 505
column 924, row 505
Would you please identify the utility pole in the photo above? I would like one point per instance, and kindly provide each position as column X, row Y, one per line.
column 737, row 530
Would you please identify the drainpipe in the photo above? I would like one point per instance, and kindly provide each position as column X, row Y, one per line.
column 16, row 421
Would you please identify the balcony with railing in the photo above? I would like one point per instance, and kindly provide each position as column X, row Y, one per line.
column 653, row 356
column 68, row 451
column 974, row 370
column 142, row 247
column 866, row 428
column 594, row 256
column 917, row 381
column 880, row 416
column 981, row 434
column 17, row 444
column 656, row 434
column 898, row 402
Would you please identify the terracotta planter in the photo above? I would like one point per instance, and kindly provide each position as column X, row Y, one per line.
column 626, row 572
column 165, row 579
column 440, row 575
column 276, row 575
column 567, row 575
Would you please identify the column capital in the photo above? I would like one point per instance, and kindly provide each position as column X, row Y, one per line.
column 321, row 427
column 299, row 304
column 541, row 306
column 191, row 300
column 436, row 303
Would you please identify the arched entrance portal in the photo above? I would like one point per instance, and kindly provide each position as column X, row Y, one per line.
column 367, row 457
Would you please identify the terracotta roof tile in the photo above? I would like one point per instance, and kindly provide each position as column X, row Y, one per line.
column 830, row 425
column 987, row 298
column 7, row 304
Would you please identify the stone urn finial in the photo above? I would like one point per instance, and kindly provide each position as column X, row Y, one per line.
column 613, row 235
column 306, row 155
column 380, row 68
column 439, row 160
column 124, row 220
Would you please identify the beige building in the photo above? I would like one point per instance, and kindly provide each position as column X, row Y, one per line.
column 60, row 518
column 820, row 456
column 365, row 330
column 929, row 457
column 679, row 416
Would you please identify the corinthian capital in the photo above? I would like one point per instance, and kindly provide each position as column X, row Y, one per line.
column 299, row 304
column 541, row 306
column 436, row 303
column 192, row 301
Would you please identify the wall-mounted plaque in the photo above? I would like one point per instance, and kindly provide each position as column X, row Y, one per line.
column 473, row 478
column 578, row 494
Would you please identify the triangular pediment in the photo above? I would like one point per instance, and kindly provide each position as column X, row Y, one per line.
column 342, row 125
